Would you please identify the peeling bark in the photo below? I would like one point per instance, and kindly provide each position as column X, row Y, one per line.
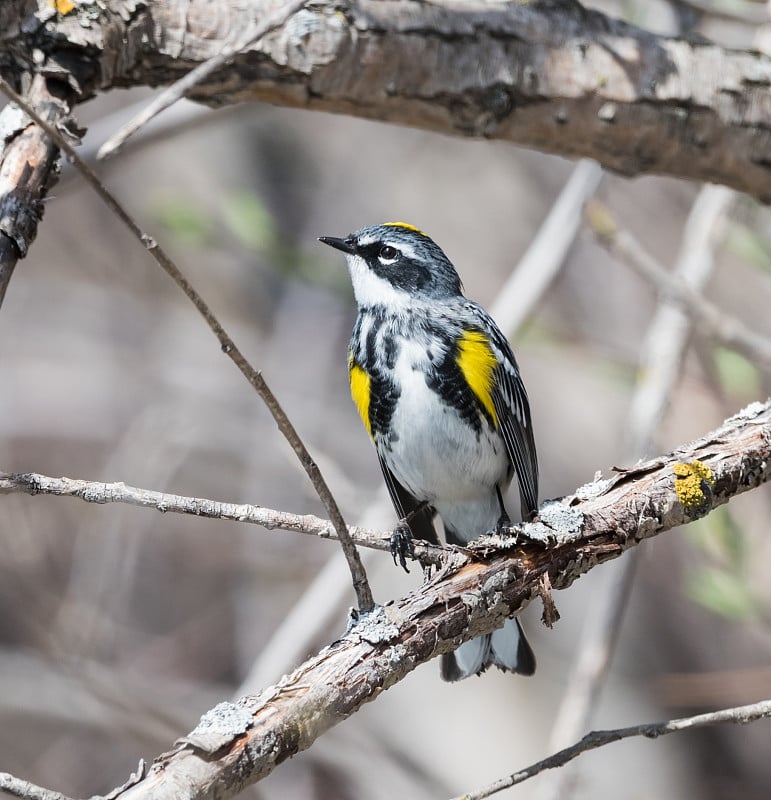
column 549, row 75
column 238, row 744
column 29, row 167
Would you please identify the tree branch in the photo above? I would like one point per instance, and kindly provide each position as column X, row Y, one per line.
column 660, row 367
column 707, row 317
column 184, row 85
column 740, row 716
column 29, row 167
column 748, row 13
column 16, row 787
column 254, row 377
column 99, row 492
column 549, row 75
column 238, row 744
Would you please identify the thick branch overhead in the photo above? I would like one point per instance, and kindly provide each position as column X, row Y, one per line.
column 548, row 75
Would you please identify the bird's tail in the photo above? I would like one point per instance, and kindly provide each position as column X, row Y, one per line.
column 506, row 648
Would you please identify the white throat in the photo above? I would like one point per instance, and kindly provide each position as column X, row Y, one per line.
column 370, row 289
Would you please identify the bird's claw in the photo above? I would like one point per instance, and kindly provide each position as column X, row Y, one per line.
column 402, row 546
column 503, row 525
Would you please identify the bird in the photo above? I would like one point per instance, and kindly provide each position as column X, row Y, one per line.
column 441, row 396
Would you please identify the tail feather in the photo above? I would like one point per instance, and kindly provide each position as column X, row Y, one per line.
column 510, row 649
column 471, row 658
column 506, row 648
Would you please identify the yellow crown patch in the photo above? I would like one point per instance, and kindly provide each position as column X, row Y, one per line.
column 405, row 225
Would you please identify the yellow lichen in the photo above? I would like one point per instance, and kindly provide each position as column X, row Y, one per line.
column 694, row 482
column 600, row 219
column 62, row 7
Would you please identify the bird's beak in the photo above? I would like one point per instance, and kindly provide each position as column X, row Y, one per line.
column 339, row 244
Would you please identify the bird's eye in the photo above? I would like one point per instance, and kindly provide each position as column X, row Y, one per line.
column 388, row 253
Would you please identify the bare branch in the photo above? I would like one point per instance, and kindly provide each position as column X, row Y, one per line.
column 16, row 787
column 179, row 89
column 238, row 744
column 255, row 378
column 550, row 75
column 29, row 164
column 708, row 317
column 99, row 492
column 661, row 359
column 668, row 335
column 546, row 253
column 740, row 716
column 748, row 13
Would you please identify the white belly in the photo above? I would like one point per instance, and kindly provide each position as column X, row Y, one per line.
column 437, row 456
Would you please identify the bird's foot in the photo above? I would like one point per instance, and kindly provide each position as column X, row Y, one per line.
column 502, row 527
column 402, row 546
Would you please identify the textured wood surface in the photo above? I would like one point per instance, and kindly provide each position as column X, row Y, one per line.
column 471, row 595
column 547, row 75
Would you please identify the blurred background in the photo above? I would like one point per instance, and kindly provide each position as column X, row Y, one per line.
column 119, row 626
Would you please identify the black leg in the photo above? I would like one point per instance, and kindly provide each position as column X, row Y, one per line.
column 504, row 521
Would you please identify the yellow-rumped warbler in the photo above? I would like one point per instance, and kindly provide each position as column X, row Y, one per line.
column 440, row 394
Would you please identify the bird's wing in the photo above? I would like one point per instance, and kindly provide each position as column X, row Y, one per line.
column 421, row 524
column 513, row 412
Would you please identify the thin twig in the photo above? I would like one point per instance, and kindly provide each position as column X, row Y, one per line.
column 228, row 750
column 587, row 677
column 16, row 787
column 100, row 493
column 747, row 13
column 740, row 715
column 358, row 574
column 546, row 253
column 660, row 367
column 184, row 117
column 709, row 318
column 668, row 334
column 181, row 87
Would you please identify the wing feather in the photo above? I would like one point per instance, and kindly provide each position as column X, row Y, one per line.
column 513, row 411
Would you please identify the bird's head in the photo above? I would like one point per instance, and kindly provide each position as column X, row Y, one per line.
column 394, row 264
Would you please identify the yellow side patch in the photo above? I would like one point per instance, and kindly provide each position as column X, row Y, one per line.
column 477, row 364
column 404, row 225
column 360, row 392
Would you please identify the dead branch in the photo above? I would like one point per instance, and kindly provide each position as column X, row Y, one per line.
column 253, row 376
column 29, row 167
column 100, row 493
column 663, row 351
column 238, row 744
column 738, row 716
column 549, row 75
column 706, row 316
column 15, row 787
column 198, row 75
